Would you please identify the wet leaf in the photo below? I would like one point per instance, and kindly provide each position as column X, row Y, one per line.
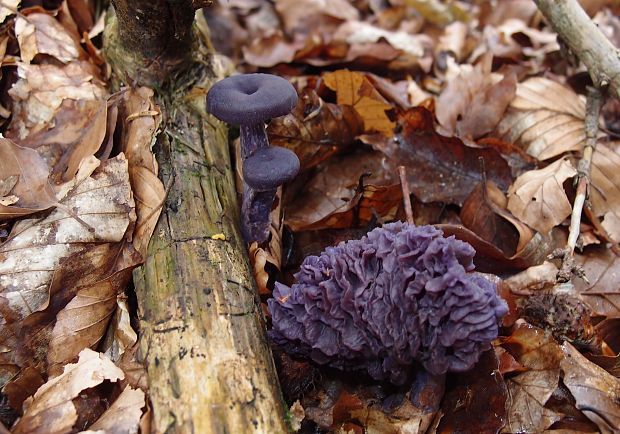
column 479, row 394
column 596, row 391
column 439, row 168
column 51, row 408
column 537, row 197
column 353, row 89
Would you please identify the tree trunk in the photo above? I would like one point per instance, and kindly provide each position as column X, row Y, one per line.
column 202, row 334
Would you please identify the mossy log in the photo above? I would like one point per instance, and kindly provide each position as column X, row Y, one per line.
column 202, row 334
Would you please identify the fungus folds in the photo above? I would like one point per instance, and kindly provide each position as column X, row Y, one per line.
column 400, row 294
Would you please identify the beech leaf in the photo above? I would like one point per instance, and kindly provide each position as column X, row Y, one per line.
column 538, row 198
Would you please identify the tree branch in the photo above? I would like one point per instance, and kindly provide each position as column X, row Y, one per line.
column 585, row 40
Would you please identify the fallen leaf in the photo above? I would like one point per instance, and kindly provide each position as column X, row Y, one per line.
column 41, row 89
column 439, row 168
column 538, row 198
column 83, row 322
column 605, row 180
column 335, row 196
column 602, row 291
column 140, row 118
column 28, row 259
column 484, row 212
column 359, row 32
column 123, row 416
column 271, row 50
column 490, row 259
column 315, row 130
column 480, row 395
column 76, row 131
column 8, row 7
column 473, row 103
column 596, row 392
column 121, row 336
column 353, row 89
column 51, row 408
column 31, row 186
column 39, row 33
column 529, row 391
column 545, row 118
column 304, row 15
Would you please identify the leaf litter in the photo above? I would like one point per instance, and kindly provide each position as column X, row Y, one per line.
column 472, row 99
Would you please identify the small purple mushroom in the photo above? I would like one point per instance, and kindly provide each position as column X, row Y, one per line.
column 263, row 172
column 399, row 295
column 249, row 100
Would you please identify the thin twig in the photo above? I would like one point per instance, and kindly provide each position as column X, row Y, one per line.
column 404, row 185
column 595, row 100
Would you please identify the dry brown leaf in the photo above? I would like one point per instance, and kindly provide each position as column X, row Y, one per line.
column 538, row 198
column 40, row 33
column 31, row 188
column 305, row 15
column 353, row 89
column 84, row 320
column 51, row 409
column 36, row 247
column 596, row 392
column 359, row 32
column 270, row 50
column 141, row 118
column 605, row 185
column 545, row 118
column 473, row 103
column 76, row 131
column 602, row 291
column 123, row 416
column 121, row 336
column 41, row 89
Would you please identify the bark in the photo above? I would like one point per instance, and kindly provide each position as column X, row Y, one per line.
column 202, row 334
column 585, row 40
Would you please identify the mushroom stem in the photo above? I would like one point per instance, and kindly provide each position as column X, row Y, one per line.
column 256, row 208
column 253, row 137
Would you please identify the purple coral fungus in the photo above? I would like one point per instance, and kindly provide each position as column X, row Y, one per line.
column 400, row 294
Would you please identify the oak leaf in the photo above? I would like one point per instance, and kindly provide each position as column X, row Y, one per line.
column 40, row 33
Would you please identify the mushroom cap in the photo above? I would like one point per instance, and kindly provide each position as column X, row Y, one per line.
column 248, row 99
column 269, row 167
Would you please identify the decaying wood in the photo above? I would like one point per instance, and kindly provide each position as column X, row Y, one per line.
column 202, row 335
column 585, row 40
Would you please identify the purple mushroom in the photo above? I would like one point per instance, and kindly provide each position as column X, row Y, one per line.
column 263, row 172
column 401, row 294
column 249, row 100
